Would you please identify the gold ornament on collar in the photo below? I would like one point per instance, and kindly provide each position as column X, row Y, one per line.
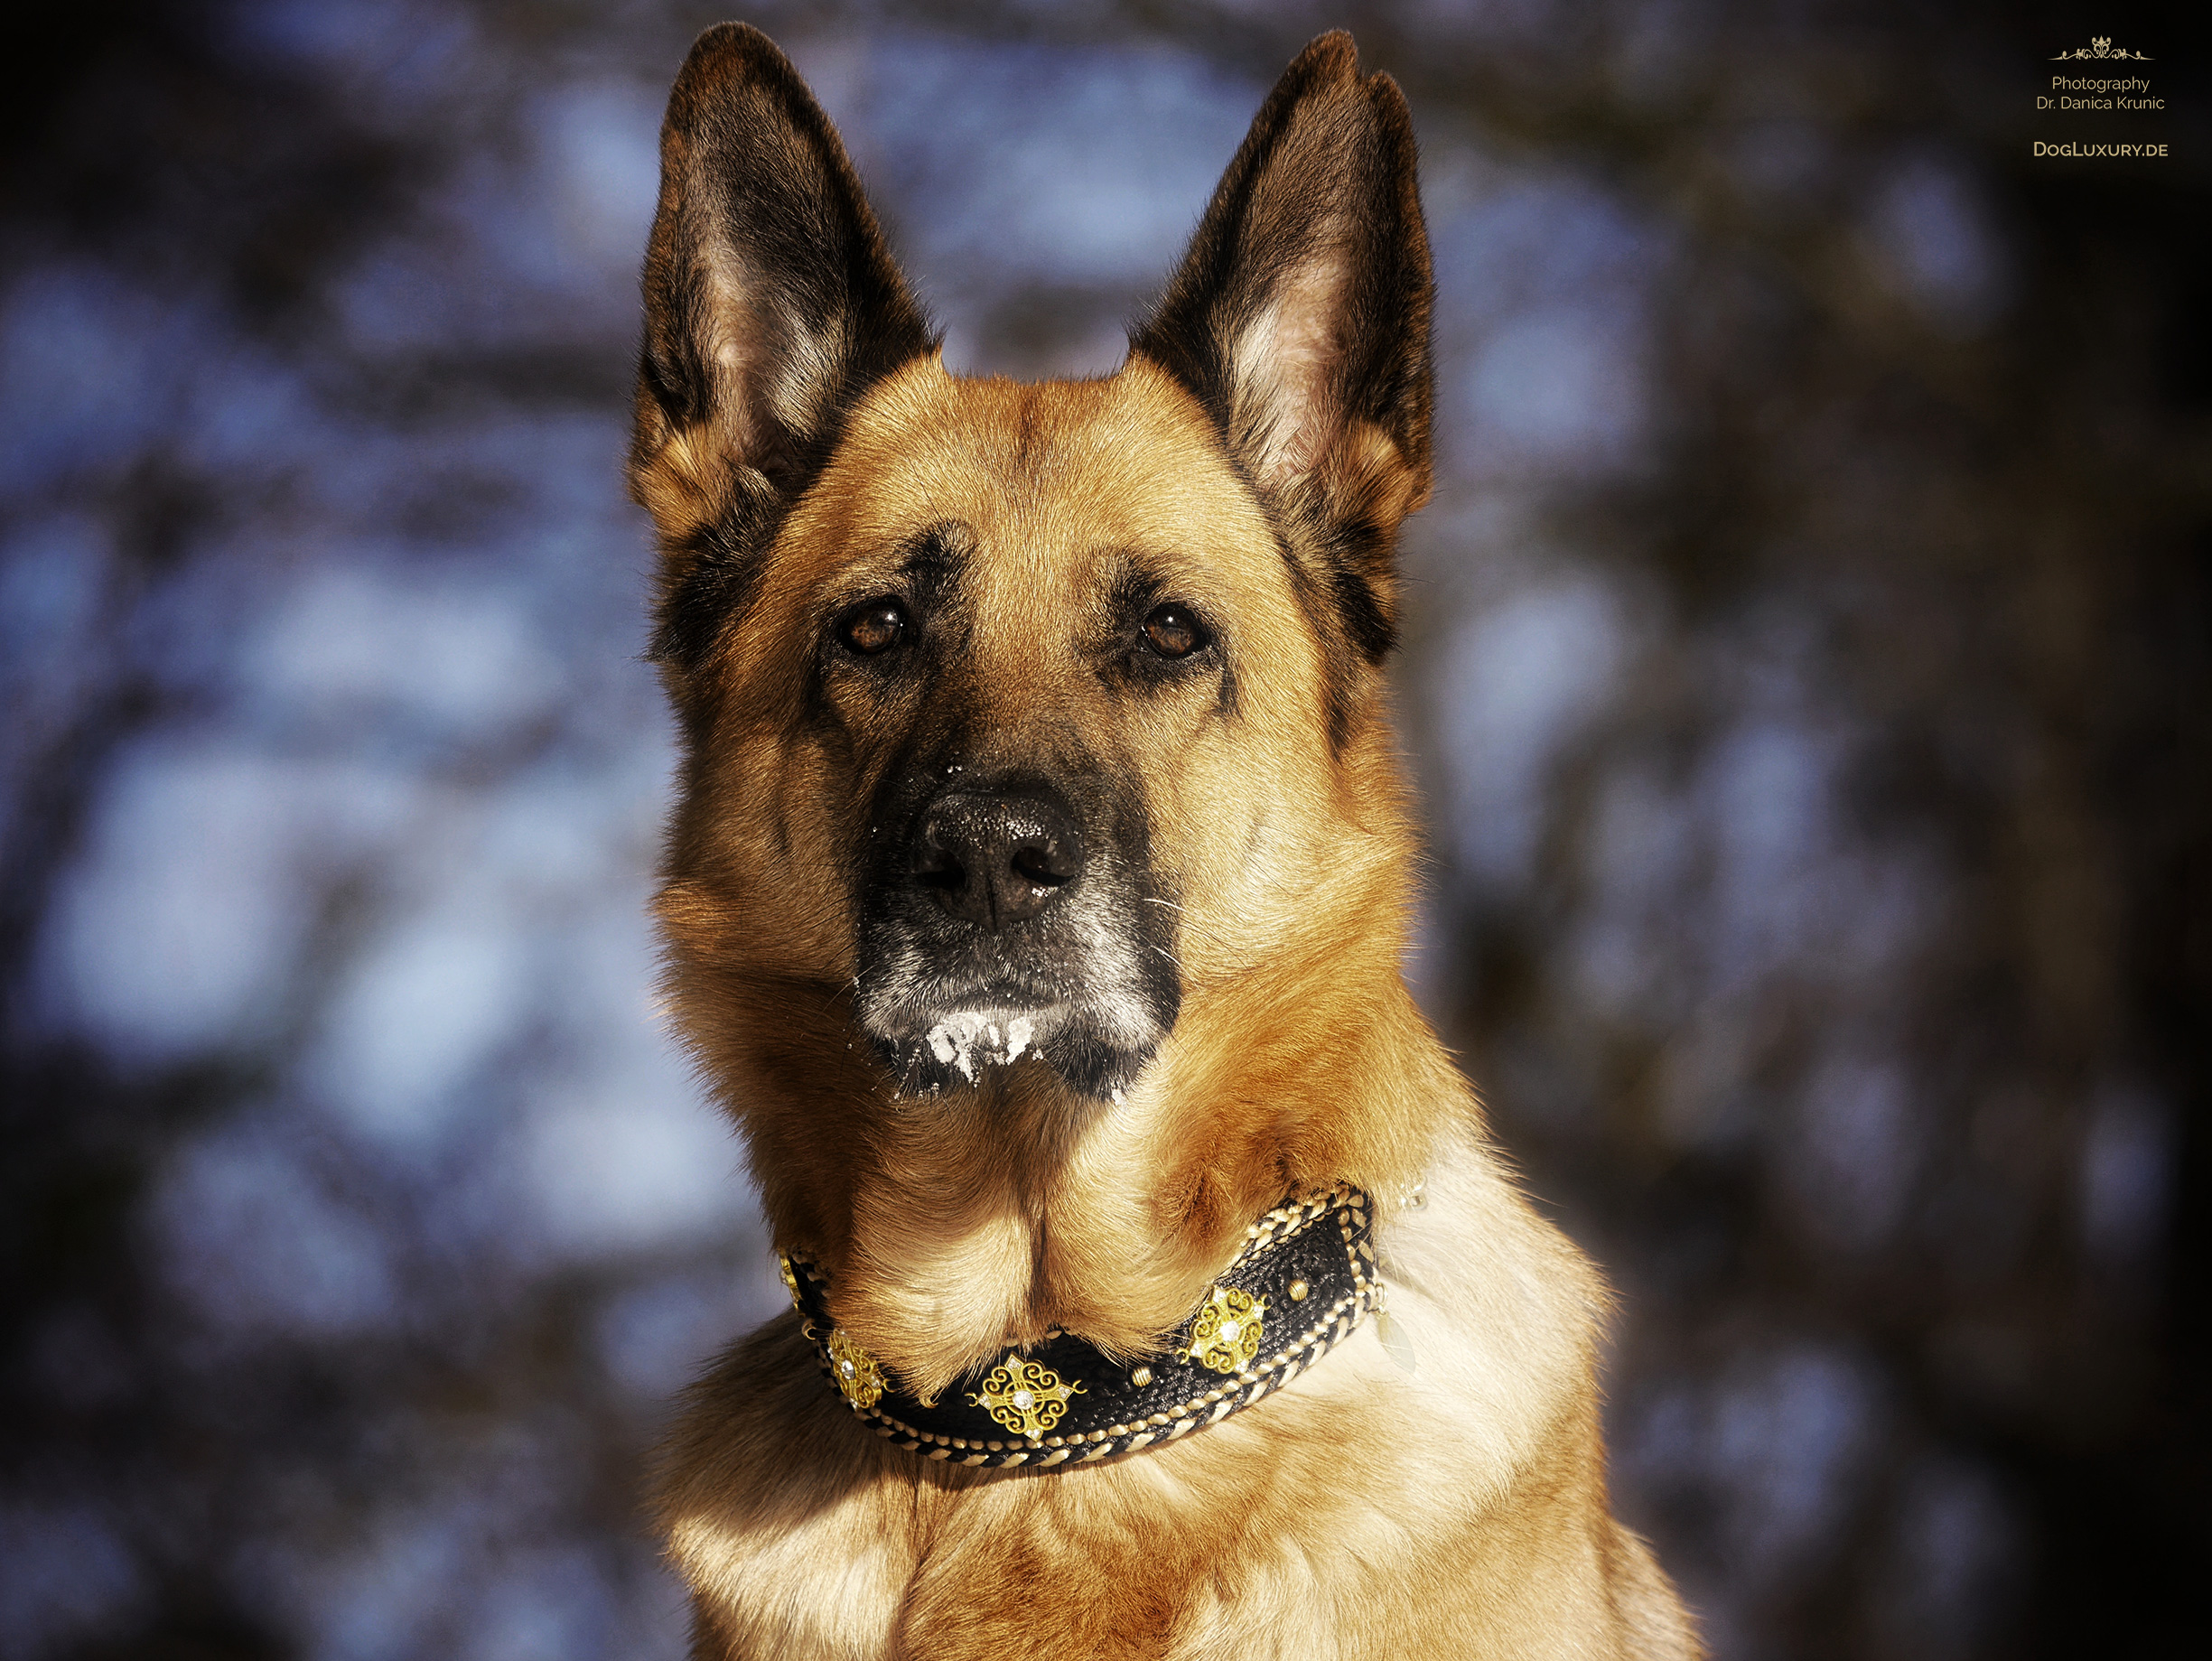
column 1027, row 1397
column 1226, row 1335
column 855, row 1370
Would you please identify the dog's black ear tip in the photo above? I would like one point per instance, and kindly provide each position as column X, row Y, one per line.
column 732, row 43
column 728, row 55
column 1390, row 99
column 1334, row 55
column 1332, row 60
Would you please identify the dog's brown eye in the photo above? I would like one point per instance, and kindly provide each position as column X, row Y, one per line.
column 875, row 626
column 1174, row 632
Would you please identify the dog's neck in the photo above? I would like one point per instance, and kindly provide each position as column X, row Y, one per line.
column 981, row 1219
column 1302, row 1280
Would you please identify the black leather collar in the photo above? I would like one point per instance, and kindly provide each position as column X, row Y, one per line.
column 1305, row 1279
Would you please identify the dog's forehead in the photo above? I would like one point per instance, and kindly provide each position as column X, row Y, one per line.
column 1055, row 482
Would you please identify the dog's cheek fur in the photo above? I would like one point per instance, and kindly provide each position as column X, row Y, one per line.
column 755, row 909
column 754, row 922
column 768, row 841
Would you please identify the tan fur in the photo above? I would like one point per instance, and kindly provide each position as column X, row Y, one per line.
column 1461, row 1510
column 1456, row 1509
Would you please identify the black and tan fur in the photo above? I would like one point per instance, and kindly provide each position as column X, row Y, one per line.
column 1062, row 705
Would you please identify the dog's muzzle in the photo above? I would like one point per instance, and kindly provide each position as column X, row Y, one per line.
column 1007, row 918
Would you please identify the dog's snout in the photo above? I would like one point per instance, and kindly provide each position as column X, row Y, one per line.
column 996, row 859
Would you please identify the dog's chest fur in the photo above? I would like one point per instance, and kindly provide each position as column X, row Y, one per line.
column 1369, row 1511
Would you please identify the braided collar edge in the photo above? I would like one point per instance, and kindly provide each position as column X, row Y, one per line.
column 1306, row 1269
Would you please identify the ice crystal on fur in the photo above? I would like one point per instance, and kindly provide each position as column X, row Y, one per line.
column 963, row 1040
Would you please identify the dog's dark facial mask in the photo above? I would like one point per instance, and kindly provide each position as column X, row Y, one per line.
column 1010, row 911
column 1007, row 902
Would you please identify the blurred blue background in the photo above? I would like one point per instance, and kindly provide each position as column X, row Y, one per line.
column 1807, row 679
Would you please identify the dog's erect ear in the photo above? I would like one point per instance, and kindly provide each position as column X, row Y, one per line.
column 1300, row 320
column 770, row 304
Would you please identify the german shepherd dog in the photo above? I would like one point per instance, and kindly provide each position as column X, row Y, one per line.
column 1034, row 900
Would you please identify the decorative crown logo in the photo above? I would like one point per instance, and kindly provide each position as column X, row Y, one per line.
column 2101, row 47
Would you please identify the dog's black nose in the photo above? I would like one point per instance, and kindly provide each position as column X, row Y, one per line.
column 994, row 859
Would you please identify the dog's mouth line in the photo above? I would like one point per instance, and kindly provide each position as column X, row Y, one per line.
column 912, row 1012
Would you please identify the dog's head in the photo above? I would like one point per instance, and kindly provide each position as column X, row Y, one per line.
column 1018, row 716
